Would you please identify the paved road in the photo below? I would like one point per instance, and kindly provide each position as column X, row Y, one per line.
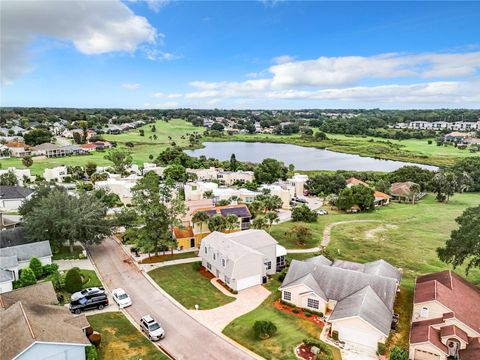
column 185, row 337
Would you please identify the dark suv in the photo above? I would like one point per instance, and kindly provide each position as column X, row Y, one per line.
column 98, row 301
column 87, row 293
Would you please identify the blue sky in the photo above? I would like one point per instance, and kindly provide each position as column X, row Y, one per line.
column 168, row 54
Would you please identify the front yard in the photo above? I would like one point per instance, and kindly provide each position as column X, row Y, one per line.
column 121, row 340
column 291, row 330
column 64, row 253
column 189, row 287
column 168, row 257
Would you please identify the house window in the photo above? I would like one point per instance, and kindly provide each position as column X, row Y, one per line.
column 287, row 296
column 313, row 303
column 209, row 266
column 224, row 263
column 268, row 265
column 214, row 256
column 205, row 248
column 280, row 261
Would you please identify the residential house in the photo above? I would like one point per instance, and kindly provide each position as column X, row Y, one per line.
column 204, row 174
column 401, row 191
column 242, row 259
column 20, row 174
column 57, row 174
column 11, row 197
column 159, row 170
column 354, row 181
column 243, row 195
column 89, row 147
column 48, row 150
column 184, row 237
column 120, row 186
column 35, row 326
column 356, row 299
column 200, row 229
column 420, row 125
column 456, row 137
column 18, row 149
column 74, row 150
column 446, row 318
column 230, row 177
column 196, row 190
column 14, row 258
column 381, row 199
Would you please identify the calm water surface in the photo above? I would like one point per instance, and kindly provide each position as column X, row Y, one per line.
column 304, row 158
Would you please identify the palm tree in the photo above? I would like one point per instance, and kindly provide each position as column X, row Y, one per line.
column 414, row 190
column 217, row 223
column 208, row 194
column 200, row 217
column 271, row 217
column 259, row 223
column 231, row 221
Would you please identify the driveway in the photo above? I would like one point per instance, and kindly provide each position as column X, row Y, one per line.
column 185, row 337
column 246, row 300
column 358, row 352
column 64, row 265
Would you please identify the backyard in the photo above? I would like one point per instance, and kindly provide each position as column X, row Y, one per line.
column 121, row 340
column 189, row 287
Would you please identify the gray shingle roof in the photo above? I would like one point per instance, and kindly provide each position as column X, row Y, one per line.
column 365, row 304
column 8, row 262
column 47, row 146
column 26, row 251
column 378, row 267
column 319, row 260
column 14, row 192
column 13, row 237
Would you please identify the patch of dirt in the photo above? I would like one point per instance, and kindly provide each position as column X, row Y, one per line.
column 378, row 232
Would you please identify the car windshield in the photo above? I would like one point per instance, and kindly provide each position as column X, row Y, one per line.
column 122, row 296
column 80, row 301
column 84, row 292
column 153, row 327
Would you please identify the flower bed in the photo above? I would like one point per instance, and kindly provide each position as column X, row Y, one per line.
column 205, row 272
column 226, row 287
column 289, row 310
column 304, row 352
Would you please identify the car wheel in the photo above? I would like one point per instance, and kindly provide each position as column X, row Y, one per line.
column 100, row 307
column 77, row 311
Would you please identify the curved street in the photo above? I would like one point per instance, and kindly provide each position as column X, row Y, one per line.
column 185, row 337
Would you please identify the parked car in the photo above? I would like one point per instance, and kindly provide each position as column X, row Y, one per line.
column 301, row 200
column 88, row 292
column 322, row 212
column 152, row 328
column 98, row 301
column 121, row 298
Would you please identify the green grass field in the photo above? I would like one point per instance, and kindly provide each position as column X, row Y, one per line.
column 291, row 330
column 406, row 236
column 121, row 340
column 189, row 287
column 143, row 146
column 411, row 150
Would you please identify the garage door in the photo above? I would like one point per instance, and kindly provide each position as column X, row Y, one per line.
column 248, row 282
column 425, row 355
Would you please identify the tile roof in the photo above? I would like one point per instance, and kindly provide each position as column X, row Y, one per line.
column 183, row 233
column 88, row 146
column 241, row 210
column 14, row 192
column 379, row 194
column 355, row 181
column 401, row 188
column 32, row 314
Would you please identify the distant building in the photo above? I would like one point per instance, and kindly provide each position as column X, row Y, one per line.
column 11, row 197
column 57, row 174
column 20, row 174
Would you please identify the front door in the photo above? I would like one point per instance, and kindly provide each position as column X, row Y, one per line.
column 192, row 242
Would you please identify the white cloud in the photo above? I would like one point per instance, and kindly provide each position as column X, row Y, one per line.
column 167, row 105
column 155, row 54
column 167, row 96
column 94, row 27
column 133, row 86
column 157, row 5
column 282, row 59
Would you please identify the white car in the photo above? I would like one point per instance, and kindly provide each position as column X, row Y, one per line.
column 121, row 298
column 152, row 328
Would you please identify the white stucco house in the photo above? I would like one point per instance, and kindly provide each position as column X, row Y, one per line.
column 57, row 174
column 35, row 326
column 11, row 197
column 242, row 259
column 356, row 299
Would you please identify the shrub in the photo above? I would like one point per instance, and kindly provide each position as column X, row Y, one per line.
column 381, row 349
column 335, row 335
column 264, row 329
column 307, row 313
column 196, row 266
column 27, row 277
column 295, row 310
column 95, row 338
column 57, row 281
column 325, row 352
column 303, row 213
column 398, row 353
column 73, row 280
column 50, row 269
column 91, row 353
column 36, row 267
column 234, row 292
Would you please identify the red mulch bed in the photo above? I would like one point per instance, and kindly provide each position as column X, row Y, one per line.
column 304, row 352
column 206, row 273
column 289, row 310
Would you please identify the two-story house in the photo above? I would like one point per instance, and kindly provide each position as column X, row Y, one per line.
column 446, row 318
column 242, row 259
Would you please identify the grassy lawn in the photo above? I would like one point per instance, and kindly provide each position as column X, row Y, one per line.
column 291, row 330
column 65, row 254
column 189, row 287
column 121, row 340
column 143, row 146
column 90, row 278
column 407, row 237
column 168, row 257
column 411, row 150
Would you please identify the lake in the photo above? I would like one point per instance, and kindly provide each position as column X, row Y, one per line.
column 303, row 158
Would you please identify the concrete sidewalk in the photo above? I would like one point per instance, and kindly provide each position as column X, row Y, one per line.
column 64, row 265
column 149, row 267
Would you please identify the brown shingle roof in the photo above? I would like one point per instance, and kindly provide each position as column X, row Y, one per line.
column 401, row 188
column 355, row 181
column 450, row 330
column 32, row 314
column 183, row 233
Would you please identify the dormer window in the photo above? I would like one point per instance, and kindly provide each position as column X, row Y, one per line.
column 214, row 256
column 224, row 262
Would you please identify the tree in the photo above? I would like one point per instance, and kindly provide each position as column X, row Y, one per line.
column 121, row 159
column 383, row 186
column 231, row 221
column 398, row 353
column 364, row 197
column 300, row 233
column 414, row 190
column 444, row 185
column 73, row 280
column 109, row 199
column 217, row 223
column 37, row 136
column 36, row 267
column 175, row 172
column 217, row 127
column 271, row 217
column 464, row 242
column 412, row 173
column 8, row 179
column 78, row 138
column 200, row 217
column 470, row 166
column 233, row 163
column 260, row 223
column 27, row 161
column 303, row 213
column 345, row 199
column 320, row 136
column 141, row 132
column 27, row 277
column 62, row 218
column 264, row 329
column 324, row 184
column 42, row 191
column 90, row 168
column 269, row 171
